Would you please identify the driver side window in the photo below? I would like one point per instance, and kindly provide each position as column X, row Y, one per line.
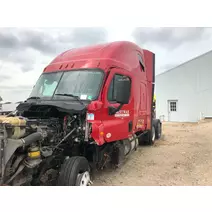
column 111, row 96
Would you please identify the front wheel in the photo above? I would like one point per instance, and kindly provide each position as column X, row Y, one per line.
column 75, row 172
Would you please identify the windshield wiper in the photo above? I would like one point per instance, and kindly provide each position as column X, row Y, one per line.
column 71, row 95
column 34, row 97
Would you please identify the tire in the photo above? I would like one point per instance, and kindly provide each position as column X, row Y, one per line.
column 71, row 170
column 151, row 137
column 142, row 140
column 158, row 130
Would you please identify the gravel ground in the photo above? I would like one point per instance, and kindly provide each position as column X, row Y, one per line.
column 182, row 157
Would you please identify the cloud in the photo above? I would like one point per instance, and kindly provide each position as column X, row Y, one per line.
column 15, row 93
column 24, row 46
column 86, row 36
column 4, row 77
column 173, row 45
column 20, row 88
column 169, row 66
column 170, row 38
column 24, row 52
column 8, row 38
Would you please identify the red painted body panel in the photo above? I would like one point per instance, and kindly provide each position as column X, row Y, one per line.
column 117, row 57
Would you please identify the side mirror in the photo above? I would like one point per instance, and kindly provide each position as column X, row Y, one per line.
column 123, row 91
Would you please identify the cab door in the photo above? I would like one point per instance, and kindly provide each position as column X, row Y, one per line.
column 119, row 125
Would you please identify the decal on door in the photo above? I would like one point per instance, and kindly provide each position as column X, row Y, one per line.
column 122, row 113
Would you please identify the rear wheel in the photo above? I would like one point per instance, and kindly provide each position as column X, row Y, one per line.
column 148, row 138
column 75, row 172
column 151, row 137
column 158, row 130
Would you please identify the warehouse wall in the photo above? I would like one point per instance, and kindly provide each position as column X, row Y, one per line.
column 190, row 84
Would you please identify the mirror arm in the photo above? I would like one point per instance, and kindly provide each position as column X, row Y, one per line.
column 113, row 110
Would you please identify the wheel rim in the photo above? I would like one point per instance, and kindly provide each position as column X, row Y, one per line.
column 83, row 179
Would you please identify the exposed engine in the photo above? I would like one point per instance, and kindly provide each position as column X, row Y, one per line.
column 34, row 144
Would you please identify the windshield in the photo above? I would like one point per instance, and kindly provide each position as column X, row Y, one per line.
column 82, row 83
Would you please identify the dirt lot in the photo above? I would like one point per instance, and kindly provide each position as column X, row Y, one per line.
column 183, row 156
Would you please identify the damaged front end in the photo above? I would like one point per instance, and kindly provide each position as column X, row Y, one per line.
column 35, row 141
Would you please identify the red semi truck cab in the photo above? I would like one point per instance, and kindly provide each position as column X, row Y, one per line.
column 90, row 107
column 98, row 69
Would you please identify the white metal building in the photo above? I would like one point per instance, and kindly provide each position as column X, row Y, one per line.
column 184, row 93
